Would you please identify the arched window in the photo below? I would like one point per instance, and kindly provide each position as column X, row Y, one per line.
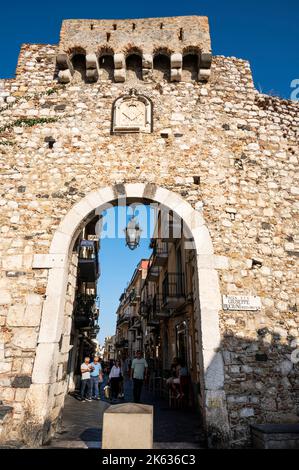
column 106, row 64
column 79, row 64
column 134, row 67
column 190, row 67
column 161, row 66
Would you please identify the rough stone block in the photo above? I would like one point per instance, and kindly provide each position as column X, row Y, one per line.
column 176, row 75
column 49, row 261
column 60, row 243
column 52, row 319
column 119, row 61
column 147, row 61
column 214, row 371
column 45, row 363
column 5, row 367
column 128, row 426
column 62, row 61
column 33, row 299
column 91, row 61
column 12, row 262
column 275, row 436
column 24, row 338
column 204, row 75
column 5, row 297
column 176, row 61
column 64, row 76
column 205, row 60
column 92, row 75
column 120, row 75
column 21, row 381
column 146, row 74
column 22, row 315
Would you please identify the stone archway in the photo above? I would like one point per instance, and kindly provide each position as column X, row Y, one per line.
column 40, row 399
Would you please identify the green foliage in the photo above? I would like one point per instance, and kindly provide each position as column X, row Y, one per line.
column 6, row 142
column 51, row 91
column 27, row 122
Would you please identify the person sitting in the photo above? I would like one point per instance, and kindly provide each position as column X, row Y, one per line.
column 173, row 372
column 175, row 382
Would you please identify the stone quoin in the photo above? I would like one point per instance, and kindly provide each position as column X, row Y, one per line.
column 142, row 108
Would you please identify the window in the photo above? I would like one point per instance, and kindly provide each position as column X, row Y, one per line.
column 161, row 66
column 106, row 64
column 79, row 64
column 134, row 67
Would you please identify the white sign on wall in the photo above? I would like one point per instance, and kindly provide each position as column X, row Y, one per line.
column 241, row 302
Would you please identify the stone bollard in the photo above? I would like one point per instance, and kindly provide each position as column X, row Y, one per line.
column 128, row 426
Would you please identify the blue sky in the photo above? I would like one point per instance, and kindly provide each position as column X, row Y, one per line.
column 118, row 262
column 263, row 31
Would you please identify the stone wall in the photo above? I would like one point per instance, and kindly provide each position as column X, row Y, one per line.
column 229, row 151
column 150, row 34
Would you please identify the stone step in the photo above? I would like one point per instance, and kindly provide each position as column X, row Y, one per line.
column 275, row 436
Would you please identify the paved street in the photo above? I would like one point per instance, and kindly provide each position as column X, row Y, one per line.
column 82, row 423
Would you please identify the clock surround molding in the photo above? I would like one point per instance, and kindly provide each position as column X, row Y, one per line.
column 132, row 113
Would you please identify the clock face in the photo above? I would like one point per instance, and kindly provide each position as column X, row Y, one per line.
column 132, row 114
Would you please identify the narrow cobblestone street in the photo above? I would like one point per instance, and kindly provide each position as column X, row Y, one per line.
column 82, row 423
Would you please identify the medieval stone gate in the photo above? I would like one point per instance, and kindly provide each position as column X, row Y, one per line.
column 138, row 107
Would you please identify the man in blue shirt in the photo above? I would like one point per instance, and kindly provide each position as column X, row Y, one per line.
column 95, row 377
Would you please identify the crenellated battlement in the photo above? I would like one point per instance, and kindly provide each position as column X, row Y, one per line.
column 142, row 45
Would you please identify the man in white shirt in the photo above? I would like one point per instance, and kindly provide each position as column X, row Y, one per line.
column 86, row 368
column 138, row 374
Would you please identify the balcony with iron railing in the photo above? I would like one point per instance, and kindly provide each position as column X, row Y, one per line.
column 124, row 317
column 160, row 311
column 88, row 260
column 173, row 290
column 122, row 343
column 160, row 251
column 152, row 319
column 145, row 306
column 85, row 319
column 134, row 296
column 154, row 270
column 171, row 229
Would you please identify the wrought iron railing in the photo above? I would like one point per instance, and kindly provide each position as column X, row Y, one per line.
column 173, row 286
column 123, row 343
column 134, row 296
column 87, row 250
column 159, row 246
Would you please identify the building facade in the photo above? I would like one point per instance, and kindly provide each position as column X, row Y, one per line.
column 129, row 333
column 141, row 110
column 156, row 311
column 109, row 352
column 85, row 316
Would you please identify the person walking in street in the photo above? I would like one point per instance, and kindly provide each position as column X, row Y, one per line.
column 95, row 378
column 115, row 377
column 138, row 374
column 86, row 368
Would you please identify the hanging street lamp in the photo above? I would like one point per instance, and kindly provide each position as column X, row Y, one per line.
column 133, row 233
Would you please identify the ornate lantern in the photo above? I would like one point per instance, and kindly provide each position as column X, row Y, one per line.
column 133, row 233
